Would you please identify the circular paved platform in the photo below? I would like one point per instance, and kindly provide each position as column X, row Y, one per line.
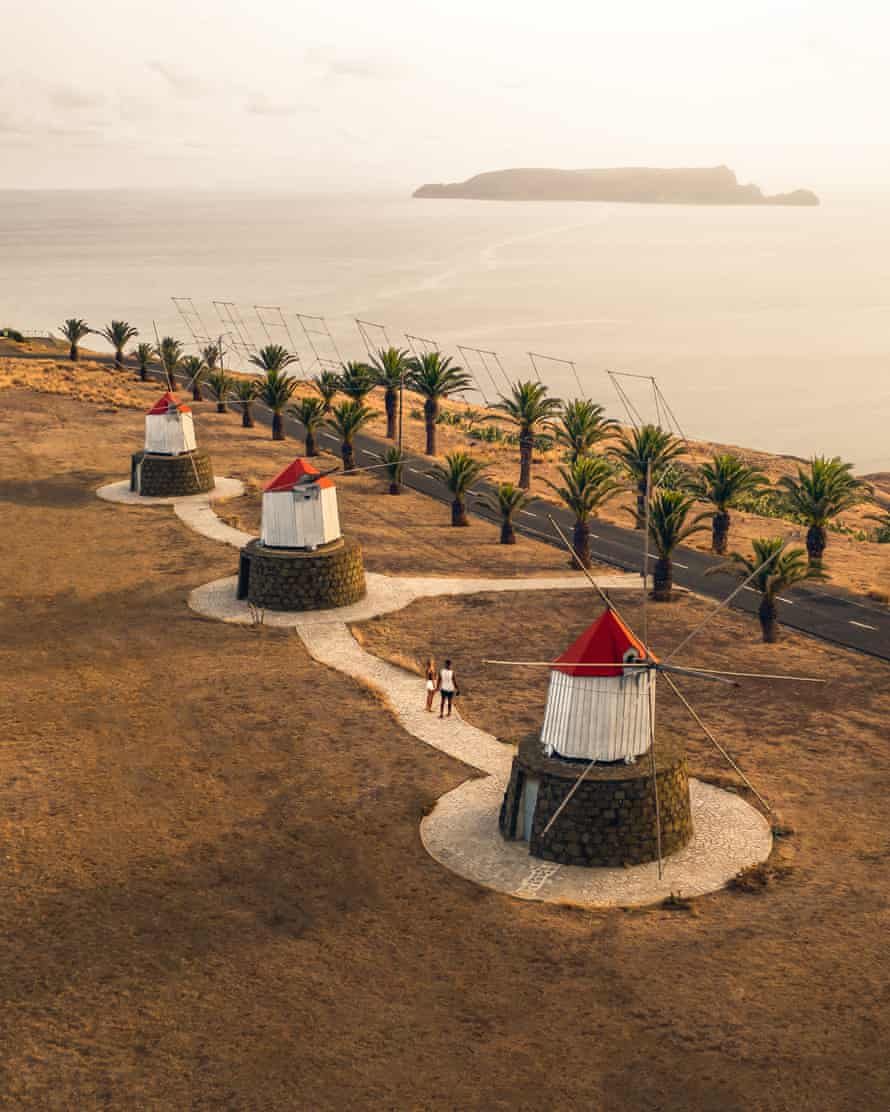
column 120, row 492
column 462, row 834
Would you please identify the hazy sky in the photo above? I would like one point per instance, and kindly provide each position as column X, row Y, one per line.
column 393, row 93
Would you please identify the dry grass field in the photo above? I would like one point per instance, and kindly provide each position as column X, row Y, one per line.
column 214, row 893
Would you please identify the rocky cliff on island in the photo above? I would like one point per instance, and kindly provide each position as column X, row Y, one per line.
column 715, row 185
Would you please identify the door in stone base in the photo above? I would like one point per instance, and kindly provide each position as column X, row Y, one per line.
column 527, row 805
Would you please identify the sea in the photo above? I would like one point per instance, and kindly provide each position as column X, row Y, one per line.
column 756, row 326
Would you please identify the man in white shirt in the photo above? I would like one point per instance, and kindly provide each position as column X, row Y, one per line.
column 447, row 688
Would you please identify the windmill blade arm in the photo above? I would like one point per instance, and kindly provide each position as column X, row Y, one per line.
column 709, row 673
column 711, row 677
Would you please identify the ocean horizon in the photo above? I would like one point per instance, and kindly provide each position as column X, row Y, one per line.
column 764, row 327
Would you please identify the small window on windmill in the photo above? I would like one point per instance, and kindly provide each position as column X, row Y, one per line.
column 631, row 656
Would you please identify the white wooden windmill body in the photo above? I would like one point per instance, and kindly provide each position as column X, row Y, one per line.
column 169, row 428
column 600, row 713
column 300, row 509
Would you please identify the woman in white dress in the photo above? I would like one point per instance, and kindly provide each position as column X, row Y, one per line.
column 430, row 683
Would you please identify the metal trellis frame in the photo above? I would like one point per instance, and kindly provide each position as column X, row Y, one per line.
column 535, row 355
column 271, row 317
column 240, row 338
column 367, row 330
column 664, row 415
column 325, row 354
column 191, row 318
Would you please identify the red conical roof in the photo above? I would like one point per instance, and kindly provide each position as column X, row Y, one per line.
column 605, row 642
column 293, row 475
column 165, row 403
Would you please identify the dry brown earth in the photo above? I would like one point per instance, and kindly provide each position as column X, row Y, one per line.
column 214, row 893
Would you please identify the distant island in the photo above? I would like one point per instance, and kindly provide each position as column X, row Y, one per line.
column 710, row 185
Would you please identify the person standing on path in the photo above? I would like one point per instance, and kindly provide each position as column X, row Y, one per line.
column 430, row 683
column 447, row 688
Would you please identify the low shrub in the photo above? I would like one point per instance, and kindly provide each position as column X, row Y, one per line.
column 12, row 334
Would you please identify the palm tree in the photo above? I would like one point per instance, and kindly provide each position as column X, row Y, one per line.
column 119, row 333
column 346, row 420
column 328, row 385
column 587, row 484
column 194, row 370
column 771, row 571
column 645, row 453
column 74, row 329
column 507, row 501
column 394, row 458
column 820, row 494
column 169, row 351
column 277, row 389
column 145, row 354
column 244, row 391
column 670, row 526
column 583, row 424
column 721, row 482
column 211, row 355
column 310, row 413
column 220, row 385
column 458, row 473
column 357, row 380
column 390, row 365
column 434, row 378
column 529, row 408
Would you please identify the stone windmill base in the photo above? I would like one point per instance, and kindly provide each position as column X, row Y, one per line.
column 323, row 578
column 610, row 819
column 161, row 476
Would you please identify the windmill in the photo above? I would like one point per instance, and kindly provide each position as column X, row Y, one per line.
column 597, row 786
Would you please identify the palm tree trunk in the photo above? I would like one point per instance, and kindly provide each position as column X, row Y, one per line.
column 73, row 353
column 220, row 406
column 430, row 413
column 508, row 533
column 459, row 512
column 311, row 446
column 197, row 396
column 663, row 579
column 816, row 541
column 390, row 398
column 277, row 427
column 642, row 494
column 246, row 416
column 143, row 373
column 581, row 543
column 720, row 532
column 526, row 443
column 769, row 625
column 348, row 456
column 119, row 359
column 395, row 487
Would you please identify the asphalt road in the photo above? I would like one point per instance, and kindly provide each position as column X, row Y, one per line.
column 822, row 611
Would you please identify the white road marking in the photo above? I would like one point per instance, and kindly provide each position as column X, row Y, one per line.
column 527, row 513
column 365, row 452
column 785, row 600
column 414, row 471
column 652, row 556
column 862, row 625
